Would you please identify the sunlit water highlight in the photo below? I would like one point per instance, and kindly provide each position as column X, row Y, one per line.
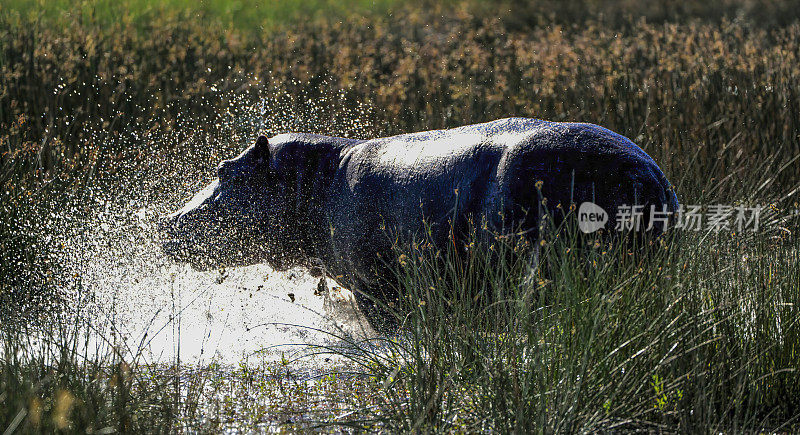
column 141, row 302
column 167, row 311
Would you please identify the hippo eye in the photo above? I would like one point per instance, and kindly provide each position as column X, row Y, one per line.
column 225, row 171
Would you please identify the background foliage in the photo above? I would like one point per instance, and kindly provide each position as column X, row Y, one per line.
column 89, row 91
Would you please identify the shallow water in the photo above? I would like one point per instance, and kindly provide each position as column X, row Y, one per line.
column 139, row 300
column 166, row 311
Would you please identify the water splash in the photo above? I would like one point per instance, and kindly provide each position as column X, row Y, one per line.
column 165, row 309
column 108, row 246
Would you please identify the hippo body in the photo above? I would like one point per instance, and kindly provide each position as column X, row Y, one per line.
column 296, row 197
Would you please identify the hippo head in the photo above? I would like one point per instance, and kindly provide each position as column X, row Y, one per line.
column 238, row 219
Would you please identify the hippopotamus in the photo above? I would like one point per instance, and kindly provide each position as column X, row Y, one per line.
column 298, row 199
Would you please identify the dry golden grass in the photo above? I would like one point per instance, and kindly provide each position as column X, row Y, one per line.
column 724, row 93
column 709, row 89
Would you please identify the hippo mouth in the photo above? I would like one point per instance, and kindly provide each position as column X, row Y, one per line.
column 194, row 237
column 183, row 246
column 205, row 242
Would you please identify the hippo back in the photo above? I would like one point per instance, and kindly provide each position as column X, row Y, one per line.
column 508, row 171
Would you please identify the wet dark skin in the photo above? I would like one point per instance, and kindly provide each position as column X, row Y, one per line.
column 336, row 203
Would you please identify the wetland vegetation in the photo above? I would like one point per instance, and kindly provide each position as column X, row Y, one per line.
column 107, row 108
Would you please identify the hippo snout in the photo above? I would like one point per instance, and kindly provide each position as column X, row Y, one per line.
column 172, row 240
column 181, row 233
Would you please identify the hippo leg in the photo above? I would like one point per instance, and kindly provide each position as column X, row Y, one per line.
column 378, row 311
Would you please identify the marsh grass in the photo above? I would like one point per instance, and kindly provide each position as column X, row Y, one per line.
column 62, row 374
column 719, row 92
column 700, row 337
column 246, row 15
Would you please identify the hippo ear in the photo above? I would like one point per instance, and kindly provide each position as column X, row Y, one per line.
column 262, row 146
